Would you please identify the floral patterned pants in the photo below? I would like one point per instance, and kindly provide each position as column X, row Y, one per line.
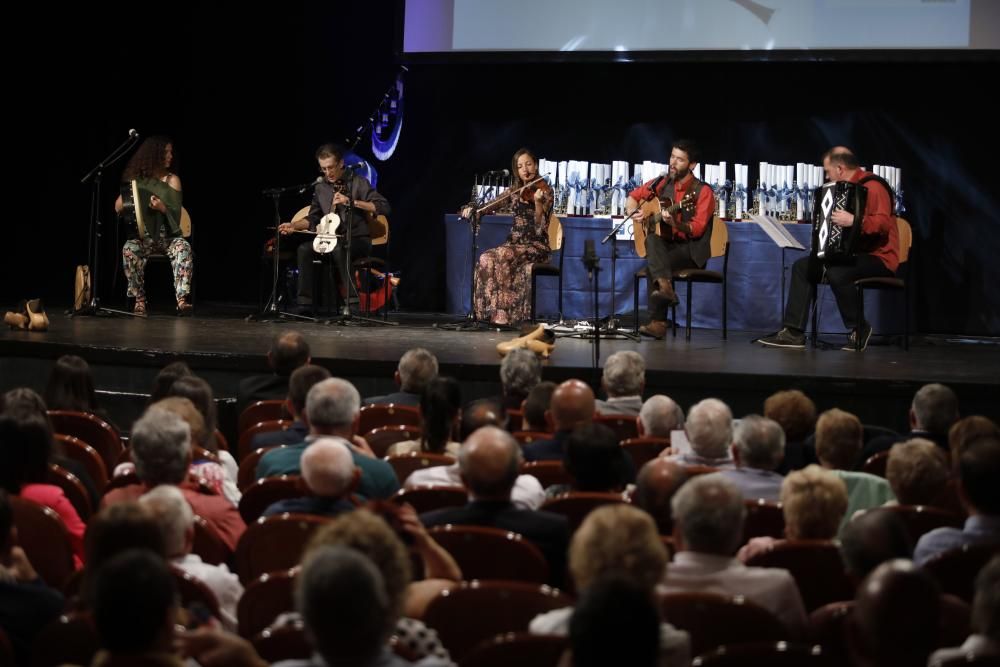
column 135, row 253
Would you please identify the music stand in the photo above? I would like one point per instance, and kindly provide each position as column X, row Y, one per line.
column 95, row 175
column 271, row 312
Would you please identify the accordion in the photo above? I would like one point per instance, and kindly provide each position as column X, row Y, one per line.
column 831, row 242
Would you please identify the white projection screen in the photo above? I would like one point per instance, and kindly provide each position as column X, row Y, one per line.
column 752, row 27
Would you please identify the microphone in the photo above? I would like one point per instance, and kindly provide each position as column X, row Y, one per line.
column 499, row 172
column 132, row 133
column 357, row 166
column 656, row 182
column 311, row 184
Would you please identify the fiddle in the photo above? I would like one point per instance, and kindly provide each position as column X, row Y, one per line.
column 326, row 230
column 529, row 191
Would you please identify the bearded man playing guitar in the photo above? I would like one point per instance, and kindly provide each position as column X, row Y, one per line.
column 673, row 236
column 331, row 196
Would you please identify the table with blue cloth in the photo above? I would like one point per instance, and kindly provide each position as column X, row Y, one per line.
column 755, row 290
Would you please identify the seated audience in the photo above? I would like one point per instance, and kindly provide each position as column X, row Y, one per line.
column 440, row 410
column 417, row 367
column 623, row 381
column 758, row 449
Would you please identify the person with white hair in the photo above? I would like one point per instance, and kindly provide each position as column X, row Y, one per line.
column 623, row 380
column 417, row 367
column 659, row 416
column 161, row 450
column 758, row 448
column 520, row 371
column 333, row 408
column 175, row 519
column 709, row 429
column 708, row 528
column 933, row 410
column 329, row 474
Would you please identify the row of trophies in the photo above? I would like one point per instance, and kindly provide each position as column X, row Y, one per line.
column 783, row 191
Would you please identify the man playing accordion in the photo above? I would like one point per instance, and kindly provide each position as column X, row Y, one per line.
column 876, row 254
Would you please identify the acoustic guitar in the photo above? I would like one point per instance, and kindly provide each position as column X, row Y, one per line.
column 660, row 214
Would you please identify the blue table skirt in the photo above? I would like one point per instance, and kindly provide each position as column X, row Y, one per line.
column 754, row 279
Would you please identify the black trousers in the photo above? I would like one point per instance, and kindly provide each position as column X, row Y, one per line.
column 662, row 259
column 361, row 247
column 841, row 278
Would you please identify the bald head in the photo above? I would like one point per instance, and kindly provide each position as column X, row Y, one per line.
column 896, row 616
column 289, row 350
column 480, row 413
column 572, row 405
column 828, row 160
column 656, row 485
column 328, row 468
column 489, row 462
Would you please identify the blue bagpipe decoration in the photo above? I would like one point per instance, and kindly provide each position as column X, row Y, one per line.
column 388, row 122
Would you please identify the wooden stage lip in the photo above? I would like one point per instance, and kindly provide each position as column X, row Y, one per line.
column 127, row 352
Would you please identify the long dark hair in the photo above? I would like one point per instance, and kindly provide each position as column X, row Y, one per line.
column 71, row 386
column 439, row 405
column 25, row 448
column 516, row 181
column 148, row 161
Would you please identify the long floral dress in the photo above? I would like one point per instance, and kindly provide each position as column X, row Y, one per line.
column 503, row 276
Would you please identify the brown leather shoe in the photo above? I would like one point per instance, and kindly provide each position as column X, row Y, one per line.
column 655, row 329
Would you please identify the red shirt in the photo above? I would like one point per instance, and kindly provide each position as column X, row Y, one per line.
column 220, row 514
column 53, row 497
column 704, row 208
column 879, row 222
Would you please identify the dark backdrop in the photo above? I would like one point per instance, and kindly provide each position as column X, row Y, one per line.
column 248, row 94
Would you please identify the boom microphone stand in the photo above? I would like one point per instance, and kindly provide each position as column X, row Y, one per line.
column 95, row 175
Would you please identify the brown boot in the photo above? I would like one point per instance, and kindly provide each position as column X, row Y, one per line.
column 664, row 291
column 655, row 329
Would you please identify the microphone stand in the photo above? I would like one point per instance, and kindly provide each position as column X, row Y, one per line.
column 346, row 317
column 611, row 328
column 95, row 175
column 271, row 312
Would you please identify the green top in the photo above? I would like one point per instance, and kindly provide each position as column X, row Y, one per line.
column 155, row 220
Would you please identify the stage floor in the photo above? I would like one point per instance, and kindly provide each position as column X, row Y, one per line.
column 220, row 345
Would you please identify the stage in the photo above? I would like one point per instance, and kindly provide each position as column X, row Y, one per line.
column 222, row 347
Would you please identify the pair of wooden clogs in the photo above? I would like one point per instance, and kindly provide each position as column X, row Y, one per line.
column 29, row 315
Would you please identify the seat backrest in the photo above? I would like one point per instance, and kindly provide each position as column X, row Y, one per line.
column 713, row 620
column 764, row 519
column 45, row 540
column 405, row 464
column 956, row 569
column 643, row 450
column 428, row 498
column 246, row 437
column 274, row 543
column 378, row 229
column 120, row 481
column 70, row 639
column 773, row 654
column 576, row 505
column 78, row 450
column 286, row 642
column 515, row 419
column 548, row 473
column 876, row 464
column 518, row 648
column 526, row 437
column 475, row 611
column 905, row 233
column 720, row 237
column 373, row 416
column 247, row 473
column 264, row 599
column 265, row 492
column 73, row 489
column 920, row 519
column 555, row 233
column 624, row 426
column 207, row 544
column 492, row 553
column 300, row 214
column 828, row 628
column 381, row 438
column 192, row 590
column 816, row 567
column 261, row 411
column 93, row 430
